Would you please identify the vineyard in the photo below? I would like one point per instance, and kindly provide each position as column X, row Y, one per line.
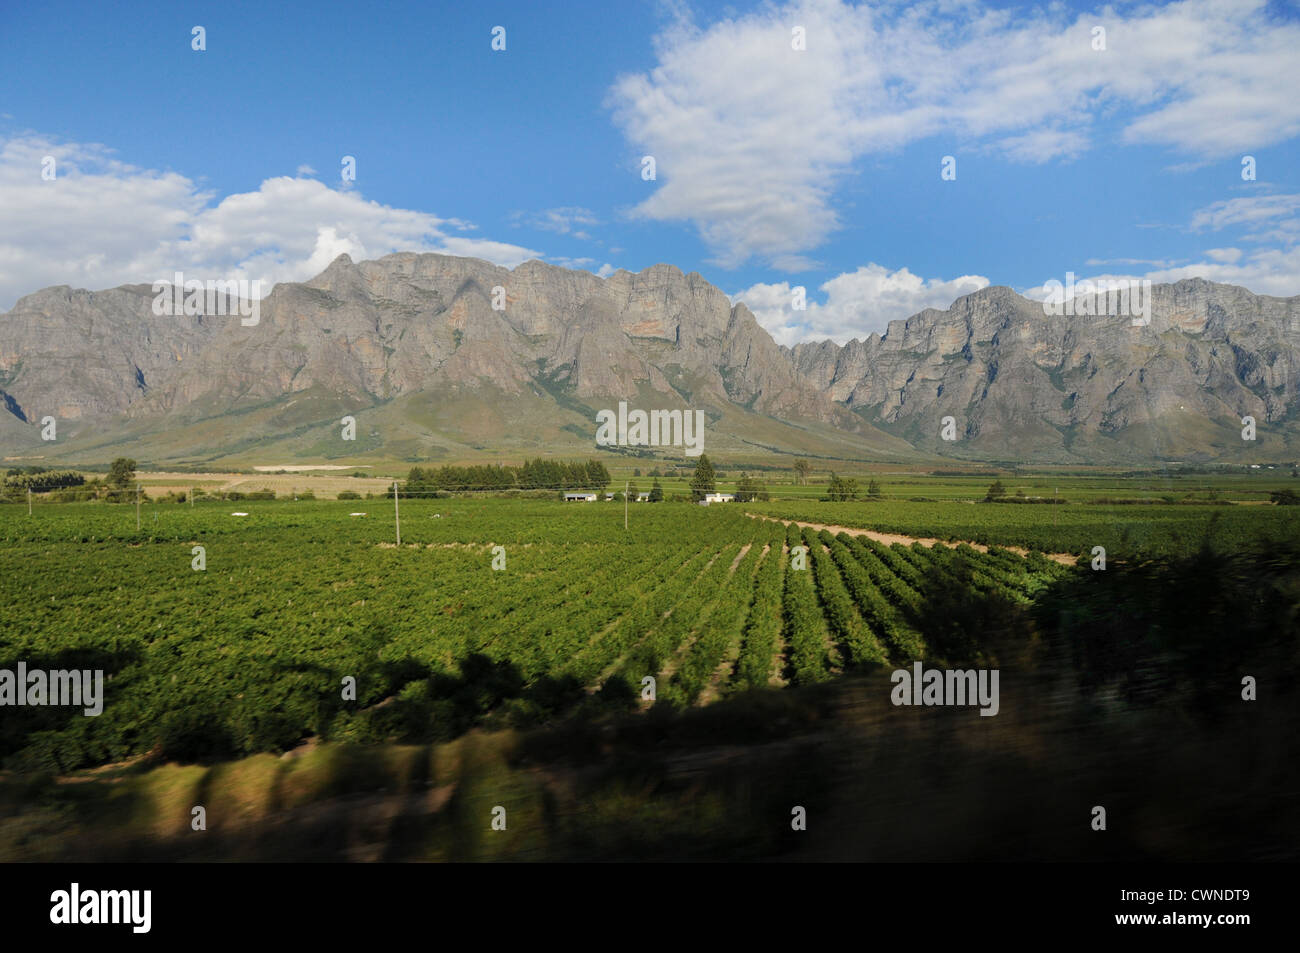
column 1125, row 531
column 250, row 653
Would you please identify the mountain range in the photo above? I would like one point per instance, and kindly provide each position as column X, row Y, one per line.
column 440, row 358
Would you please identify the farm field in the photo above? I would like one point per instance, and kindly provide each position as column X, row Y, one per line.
column 1240, row 486
column 525, row 685
column 1227, row 484
column 321, row 484
column 1125, row 531
column 249, row 653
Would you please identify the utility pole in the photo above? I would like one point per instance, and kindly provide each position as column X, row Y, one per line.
column 191, row 497
column 137, row 507
column 625, row 485
column 29, row 501
column 397, row 518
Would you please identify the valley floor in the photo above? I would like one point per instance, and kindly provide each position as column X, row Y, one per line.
column 670, row 690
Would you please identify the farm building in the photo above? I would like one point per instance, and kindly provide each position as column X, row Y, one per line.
column 580, row 497
column 720, row 497
column 643, row 497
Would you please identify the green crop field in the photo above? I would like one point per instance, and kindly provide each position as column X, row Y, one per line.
column 1124, row 531
column 1237, row 485
column 603, row 680
column 250, row 653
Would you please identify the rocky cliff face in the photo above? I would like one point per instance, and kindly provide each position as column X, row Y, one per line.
column 1019, row 385
column 1022, row 385
column 362, row 334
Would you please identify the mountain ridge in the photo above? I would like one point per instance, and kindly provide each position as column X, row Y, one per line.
column 413, row 344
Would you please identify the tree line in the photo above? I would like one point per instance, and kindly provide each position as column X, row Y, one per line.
column 115, row 486
column 536, row 474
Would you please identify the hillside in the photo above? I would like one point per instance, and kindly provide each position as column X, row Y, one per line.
column 412, row 346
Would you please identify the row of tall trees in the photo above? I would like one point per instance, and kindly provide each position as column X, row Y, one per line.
column 116, row 486
column 479, row 477
column 543, row 474
column 536, row 474
column 39, row 480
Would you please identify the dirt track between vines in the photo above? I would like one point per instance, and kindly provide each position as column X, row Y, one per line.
column 888, row 539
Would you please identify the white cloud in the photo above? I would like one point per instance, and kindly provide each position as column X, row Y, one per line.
column 565, row 220
column 1272, row 269
column 1042, row 145
column 1224, row 255
column 102, row 223
column 1155, row 262
column 1277, row 215
column 857, row 303
column 574, row 262
column 750, row 137
column 1268, row 271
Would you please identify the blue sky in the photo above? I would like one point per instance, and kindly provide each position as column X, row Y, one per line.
column 776, row 167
